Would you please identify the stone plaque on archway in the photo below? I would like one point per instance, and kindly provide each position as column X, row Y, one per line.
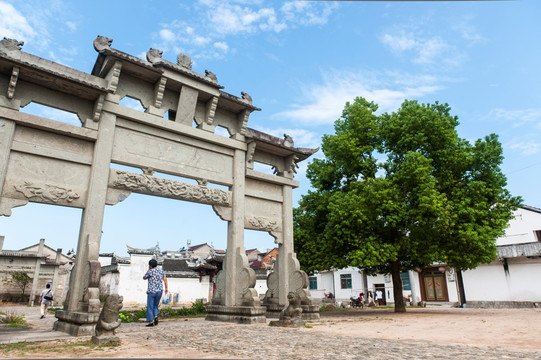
column 46, row 161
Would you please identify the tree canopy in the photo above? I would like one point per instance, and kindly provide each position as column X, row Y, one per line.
column 401, row 191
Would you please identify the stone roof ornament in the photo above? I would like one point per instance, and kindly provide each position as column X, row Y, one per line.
column 246, row 97
column 154, row 55
column 288, row 140
column 211, row 76
column 184, row 61
column 11, row 44
column 102, row 42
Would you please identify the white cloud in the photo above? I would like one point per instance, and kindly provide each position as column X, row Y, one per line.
column 13, row 24
column 215, row 20
column 526, row 148
column 424, row 50
column 221, row 46
column 467, row 30
column 167, row 35
column 71, row 25
column 516, row 117
column 323, row 103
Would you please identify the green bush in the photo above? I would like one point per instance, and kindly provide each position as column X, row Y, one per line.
column 14, row 320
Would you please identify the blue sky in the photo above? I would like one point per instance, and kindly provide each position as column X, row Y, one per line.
column 300, row 61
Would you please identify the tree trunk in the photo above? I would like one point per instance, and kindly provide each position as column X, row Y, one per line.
column 399, row 305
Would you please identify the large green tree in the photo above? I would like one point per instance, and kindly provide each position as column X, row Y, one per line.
column 400, row 191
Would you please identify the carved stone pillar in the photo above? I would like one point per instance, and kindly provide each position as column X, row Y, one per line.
column 80, row 313
column 287, row 276
column 236, row 300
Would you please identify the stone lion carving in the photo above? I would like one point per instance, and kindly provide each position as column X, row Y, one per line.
column 102, row 42
column 108, row 320
column 154, row 55
column 290, row 316
column 211, row 76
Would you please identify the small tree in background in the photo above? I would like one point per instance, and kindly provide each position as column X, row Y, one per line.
column 19, row 279
column 401, row 191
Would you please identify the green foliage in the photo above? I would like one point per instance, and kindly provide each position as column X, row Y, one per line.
column 14, row 320
column 19, row 279
column 196, row 309
column 401, row 191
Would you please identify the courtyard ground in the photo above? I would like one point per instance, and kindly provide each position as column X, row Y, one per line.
column 421, row 333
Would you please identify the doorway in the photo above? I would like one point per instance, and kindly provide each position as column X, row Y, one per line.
column 434, row 285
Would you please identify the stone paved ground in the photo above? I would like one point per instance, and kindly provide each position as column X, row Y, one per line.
column 263, row 341
column 366, row 334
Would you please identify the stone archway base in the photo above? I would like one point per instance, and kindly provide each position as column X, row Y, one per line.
column 236, row 314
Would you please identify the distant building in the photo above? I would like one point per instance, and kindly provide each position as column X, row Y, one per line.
column 41, row 263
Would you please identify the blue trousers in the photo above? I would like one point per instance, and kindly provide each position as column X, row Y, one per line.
column 153, row 301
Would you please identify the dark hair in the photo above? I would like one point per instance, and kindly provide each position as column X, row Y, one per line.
column 153, row 263
column 48, row 286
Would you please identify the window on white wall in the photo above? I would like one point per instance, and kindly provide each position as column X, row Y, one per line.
column 537, row 235
column 312, row 283
column 345, row 281
column 405, row 281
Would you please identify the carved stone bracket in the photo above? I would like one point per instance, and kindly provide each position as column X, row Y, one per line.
column 46, row 193
column 211, row 110
column 13, row 82
column 152, row 185
column 243, row 121
column 159, row 89
column 6, row 204
column 250, row 151
column 113, row 76
column 98, row 107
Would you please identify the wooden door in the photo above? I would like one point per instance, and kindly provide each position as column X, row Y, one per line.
column 434, row 285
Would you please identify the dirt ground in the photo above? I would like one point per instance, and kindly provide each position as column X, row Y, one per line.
column 513, row 329
column 516, row 329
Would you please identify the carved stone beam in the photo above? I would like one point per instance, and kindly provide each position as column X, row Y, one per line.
column 13, row 82
column 152, row 185
column 250, row 151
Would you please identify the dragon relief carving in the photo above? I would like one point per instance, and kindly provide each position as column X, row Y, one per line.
column 263, row 223
column 148, row 184
column 47, row 193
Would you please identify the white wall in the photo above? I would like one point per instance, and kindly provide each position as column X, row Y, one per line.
column 489, row 282
column 521, row 228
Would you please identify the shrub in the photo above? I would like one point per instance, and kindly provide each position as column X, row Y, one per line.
column 14, row 320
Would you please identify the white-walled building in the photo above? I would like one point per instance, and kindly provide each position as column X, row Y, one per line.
column 513, row 279
column 190, row 274
column 510, row 281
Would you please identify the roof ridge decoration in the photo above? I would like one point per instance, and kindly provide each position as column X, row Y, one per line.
column 183, row 65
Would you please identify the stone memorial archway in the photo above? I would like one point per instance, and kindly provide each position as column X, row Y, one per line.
column 46, row 161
